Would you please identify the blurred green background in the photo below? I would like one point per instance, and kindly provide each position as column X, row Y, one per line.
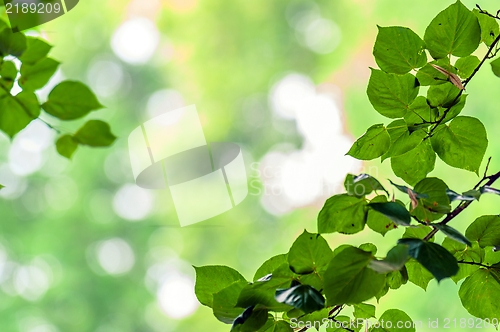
column 83, row 249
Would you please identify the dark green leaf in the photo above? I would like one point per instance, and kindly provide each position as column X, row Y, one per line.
column 362, row 185
column 454, row 31
column 462, row 143
column 71, row 100
column 396, row 279
column 436, row 202
column 34, row 77
column 467, row 65
column 485, row 230
column 364, row 310
column 393, row 318
column 415, row 164
column 395, row 260
column 394, row 211
column 342, row 213
column 374, row 143
column 302, row 297
column 455, row 110
column 453, row 234
column 66, row 146
column 391, row 94
column 309, row 253
column 433, row 257
column 489, row 27
column 348, row 278
column 377, row 221
column 12, row 43
column 36, row 50
column 95, row 133
column 480, row 293
column 224, row 302
column 212, row 279
column 251, row 320
column 399, row 50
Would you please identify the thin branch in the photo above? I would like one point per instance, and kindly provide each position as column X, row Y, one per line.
column 473, row 263
column 463, row 205
column 481, row 11
column 49, row 125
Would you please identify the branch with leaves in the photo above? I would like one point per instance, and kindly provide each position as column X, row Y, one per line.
column 312, row 283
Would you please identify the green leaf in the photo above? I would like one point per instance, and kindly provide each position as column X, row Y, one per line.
column 396, row 279
column 433, row 257
column 250, row 320
column 417, row 274
column 429, row 75
column 495, row 66
column 36, row 50
column 417, row 232
column 95, row 133
column 362, row 185
column 342, row 213
column 391, row 94
column 349, row 280
column 453, row 233
column 29, row 102
column 212, row 279
column 443, row 95
column 455, row 110
column 374, row 143
column 8, row 73
column 66, row 146
column 462, row 143
column 364, row 310
column 415, row 164
column 394, row 211
column 480, row 293
column 14, row 116
column 402, row 140
column 224, row 302
column 302, row 297
column 489, row 27
column 12, row 43
column 278, row 326
column 263, row 292
column 399, row 50
column 269, row 266
column 485, row 230
column 464, row 253
column 454, row 31
column 393, row 318
column 466, row 65
column 309, row 253
column 436, row 202
column 71, row 100
column 395, row 260
column 377, row 221
column 369, row 247
column 34, row 77
column 419, row 112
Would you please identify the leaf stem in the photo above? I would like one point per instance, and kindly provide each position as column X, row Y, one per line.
column 473, row 263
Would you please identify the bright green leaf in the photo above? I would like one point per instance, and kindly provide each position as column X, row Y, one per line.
column 419, row 112
column 364, row 310
column 429, row 75
column 495, row 66
column 464, row 253
column 466, row 65
column 454, row 31
column 417, row 274
column 269, row 266
column 399, row 50
column 309, row 253
column 34, row 77
column 485, row 230
column 14, row 116
column 374, row 143
column 212, row 279
column 480, row 293
column 443, row 95
column 391, row 94
column 66, row 146
column 224, row 302
column 462, row 143
column 402, row 140
column 71, row 100
column 489, row 27
column 393, row 318
column 36, row 50
column 377, row 221
column 435, row 203
column 415, row 164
